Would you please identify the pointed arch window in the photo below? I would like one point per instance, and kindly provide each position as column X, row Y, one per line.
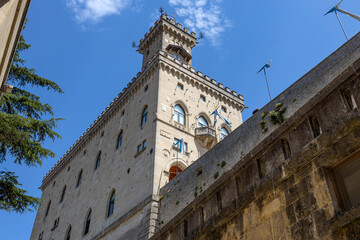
column 119, row 139
column 68, row 233
column 144, row 116
column 87, row 223
column 79, row 178
column 63, row 194
column 202, row 122
column 223, row 133
column 111, row 204
column 179, row 114
column 98, row 158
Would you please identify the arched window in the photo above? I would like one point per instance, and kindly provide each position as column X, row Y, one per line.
column 63, row 194
column 174, row 170
column 87, row 223
column 202, row 122
column 68, row 233
column 48, row 208
column 79, row 178
column 111, row 204
column 179, row 114
column 98, row 158
column 144, row 116
column 223, row 133
column 119, row 140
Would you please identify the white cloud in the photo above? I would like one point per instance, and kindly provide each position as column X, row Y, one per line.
column 95, row 10
column 202, row 16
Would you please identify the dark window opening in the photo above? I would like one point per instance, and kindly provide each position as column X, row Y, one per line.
column 87, row 223
column 97, row 164
column 111, row 204
column 68, row 234
column 202, row 98
column 185, row 228
column 146, row 88
column 199, row 171
column 79, row 179
column 202, row 216
column 218, row 201
column 119, row 140
column 180, row 86
column 144, row 116
column 286, row 148
column 315, row 125
column 237, row 183
column 102, row 133
column 47, row 209
column 260, row 166
column 348, row 99
column 63, row 194
column 346, row 177
column 223, row 109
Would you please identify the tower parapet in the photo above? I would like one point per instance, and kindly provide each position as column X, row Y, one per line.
column 168, row 36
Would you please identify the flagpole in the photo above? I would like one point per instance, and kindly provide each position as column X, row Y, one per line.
column 340, row 25
column 267, row 84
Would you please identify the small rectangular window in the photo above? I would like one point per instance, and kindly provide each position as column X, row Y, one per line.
column 139, row 148
column 315, row 125
column 177, row 144
column 223, row 109
column 346, row 177
column 185, row 228
column 286, row 148
column 348, row 99
column 202, row 98
column 260, row 166
column 180, row 86
column 199, row 171
column 218, row 201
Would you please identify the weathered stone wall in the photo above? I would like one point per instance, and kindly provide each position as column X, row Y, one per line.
column 254, row 185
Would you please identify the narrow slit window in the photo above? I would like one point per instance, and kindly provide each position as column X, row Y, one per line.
column 98, row 159
column 237, row 183
column 348, row 99
column 63, row 194
column 185, row 228
column 87, row 223
column 315, row 126
column 79, row 179
column 218, row 200
column 202, row 98
column 286, row 148
column 260, row 166
column 111, row 204
column 48, row 209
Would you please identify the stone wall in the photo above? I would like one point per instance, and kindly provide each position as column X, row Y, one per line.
column 272, row 181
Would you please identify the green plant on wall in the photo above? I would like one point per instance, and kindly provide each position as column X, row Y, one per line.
column 276, row 117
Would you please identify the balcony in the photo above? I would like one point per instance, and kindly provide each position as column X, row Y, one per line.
column 205, row 136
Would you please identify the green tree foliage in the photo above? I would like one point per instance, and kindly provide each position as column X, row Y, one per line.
column 25, row 123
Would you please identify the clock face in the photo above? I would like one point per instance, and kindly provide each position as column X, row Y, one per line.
column 176, row 56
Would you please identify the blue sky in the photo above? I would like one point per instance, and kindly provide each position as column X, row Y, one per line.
column 85, row 46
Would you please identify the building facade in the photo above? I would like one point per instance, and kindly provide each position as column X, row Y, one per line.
column 12, row 18
column 107, row 185
column 291, row 171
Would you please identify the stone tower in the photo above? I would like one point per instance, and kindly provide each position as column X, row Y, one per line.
column 107, row 185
